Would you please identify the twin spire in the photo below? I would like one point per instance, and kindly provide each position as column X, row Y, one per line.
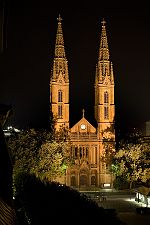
column 59, row 81
column 61, row 64
column 59, row 46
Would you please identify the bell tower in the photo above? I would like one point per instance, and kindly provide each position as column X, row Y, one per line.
column 59, row 82
column 104, row 86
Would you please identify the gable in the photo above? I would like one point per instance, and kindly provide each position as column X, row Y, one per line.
column 83, row 126
column 61, row 79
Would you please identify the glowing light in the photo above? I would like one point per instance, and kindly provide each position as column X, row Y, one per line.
column 106, row 185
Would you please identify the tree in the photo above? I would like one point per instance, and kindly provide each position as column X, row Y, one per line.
column 132, row 162
column 39, row 152
column 53, row 160
column 50, row 201
column 108, row 145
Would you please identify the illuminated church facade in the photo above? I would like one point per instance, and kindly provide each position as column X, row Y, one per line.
column 90, row 146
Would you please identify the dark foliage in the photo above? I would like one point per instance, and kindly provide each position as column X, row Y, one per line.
column 120, row 183
column 51, row 203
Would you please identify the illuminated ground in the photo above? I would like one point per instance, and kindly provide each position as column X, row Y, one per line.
column 125, row 206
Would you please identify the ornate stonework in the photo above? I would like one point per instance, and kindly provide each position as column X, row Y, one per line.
column 89, row 143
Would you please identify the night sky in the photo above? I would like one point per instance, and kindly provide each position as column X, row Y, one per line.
column 26, row 60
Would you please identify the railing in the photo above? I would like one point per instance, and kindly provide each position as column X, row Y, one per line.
column 87, row 136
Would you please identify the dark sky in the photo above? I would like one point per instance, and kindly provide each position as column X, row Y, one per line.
column 25, row 62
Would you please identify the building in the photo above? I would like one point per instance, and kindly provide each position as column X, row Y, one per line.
column 92, row 147
column 147, row 128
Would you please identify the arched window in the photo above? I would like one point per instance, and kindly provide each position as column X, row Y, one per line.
column 59, row 111
column 106, row 100
column 87, row 152
column 80, row 149
column 60, row 96
column 76, row 152
column 106, row 114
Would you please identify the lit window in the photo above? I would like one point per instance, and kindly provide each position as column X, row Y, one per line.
column 105, row 97
column 59, row 111
column 106, row 116
column 60, row 96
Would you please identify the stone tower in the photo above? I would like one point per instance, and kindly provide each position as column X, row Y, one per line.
column 104, row 87
column 59, row 82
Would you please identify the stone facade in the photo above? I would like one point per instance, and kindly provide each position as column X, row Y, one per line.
column 89, row 144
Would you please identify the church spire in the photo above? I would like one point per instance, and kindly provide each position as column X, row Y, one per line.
column 104, row 85
column 104, row 69
column 59, row 82
column 103, row 50
column 60, row 63
column 59, row 46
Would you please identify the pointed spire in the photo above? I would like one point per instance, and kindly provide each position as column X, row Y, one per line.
column 103, row 51
column 59, row 46
column 60, row 63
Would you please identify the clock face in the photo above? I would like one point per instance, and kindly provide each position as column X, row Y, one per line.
column 82, row 126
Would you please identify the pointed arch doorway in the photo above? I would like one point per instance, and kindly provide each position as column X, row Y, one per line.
column 84, row 178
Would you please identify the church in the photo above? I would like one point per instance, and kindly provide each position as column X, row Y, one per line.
column 91, row 147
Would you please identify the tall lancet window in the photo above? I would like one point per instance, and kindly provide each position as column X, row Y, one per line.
column 60, row 96
column 59, row 111
column 106, row 114
column 106, row 100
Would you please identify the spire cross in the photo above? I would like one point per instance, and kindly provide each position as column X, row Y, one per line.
column 83, row 111
column 59, row 18
column 103, row 22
